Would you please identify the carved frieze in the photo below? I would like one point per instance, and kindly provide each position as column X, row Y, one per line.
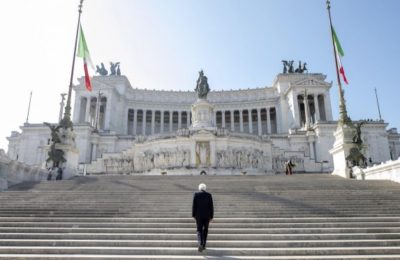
column 242, row 158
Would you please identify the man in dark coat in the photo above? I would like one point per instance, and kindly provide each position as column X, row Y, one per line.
column 203, row 212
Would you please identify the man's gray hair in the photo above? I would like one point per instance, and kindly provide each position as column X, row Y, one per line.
column 202, row 186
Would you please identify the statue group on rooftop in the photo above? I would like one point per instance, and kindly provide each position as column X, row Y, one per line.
column 289, row 68
column 114, row 69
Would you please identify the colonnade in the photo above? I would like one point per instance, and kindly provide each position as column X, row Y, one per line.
column 257, row 121
column 313, row 110
column 93, row 112
column 149, row 122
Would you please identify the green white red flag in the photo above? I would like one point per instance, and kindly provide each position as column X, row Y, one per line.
column 83, row 52
column 339, row 54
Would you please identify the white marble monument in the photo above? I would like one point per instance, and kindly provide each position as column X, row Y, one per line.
column 226, row 132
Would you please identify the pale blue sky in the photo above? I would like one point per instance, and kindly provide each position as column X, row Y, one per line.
column 162, row 44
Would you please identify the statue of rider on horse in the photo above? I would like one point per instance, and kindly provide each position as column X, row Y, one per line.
column 202, row 87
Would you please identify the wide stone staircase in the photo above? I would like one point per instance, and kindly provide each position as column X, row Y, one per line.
column 304, row 216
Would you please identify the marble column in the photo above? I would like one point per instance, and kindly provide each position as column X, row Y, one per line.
column 188, row 119
column 107, row 113
column 232, row 120
column 134, row 121
column 241, row 120
column 153, row 121
column 268, row 121
column 162, row 122
column 306, row 111
column 278, row 119
column 223, row 118
column 144, row 122
column 297, row 111
column 259, row 121
column 128, row 126
column 87, row 109
column 316, row 106
column 77, row 107
column 250, row 121
column 170, row 121
column 328, row 106
column 179, row 119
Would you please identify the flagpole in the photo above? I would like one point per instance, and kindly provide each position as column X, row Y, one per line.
column 66, row 121
column 377, row 102
column 343, row 117
column 29, row 108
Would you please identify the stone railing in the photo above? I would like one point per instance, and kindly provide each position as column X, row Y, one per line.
column 389, row 170
column 13, row 172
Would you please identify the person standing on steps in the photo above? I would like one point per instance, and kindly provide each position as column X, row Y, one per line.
column 203, row 213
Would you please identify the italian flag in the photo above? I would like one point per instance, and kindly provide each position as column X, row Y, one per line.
column 340, row 54
column 83, row 52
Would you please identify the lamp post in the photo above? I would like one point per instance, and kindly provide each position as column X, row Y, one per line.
column 61, row 106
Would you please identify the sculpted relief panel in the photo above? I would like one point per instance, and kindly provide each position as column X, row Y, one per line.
column 242, row 158
column 118, row 164
column 147, row 160
column 167, row 159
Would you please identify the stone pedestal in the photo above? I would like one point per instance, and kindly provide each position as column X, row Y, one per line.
column 71, row 153
column 204, row 150
column 341, row 149
column 202, row 115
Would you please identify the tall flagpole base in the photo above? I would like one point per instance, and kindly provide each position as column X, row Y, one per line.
column 341, row 150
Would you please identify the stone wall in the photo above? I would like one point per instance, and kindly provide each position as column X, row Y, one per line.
column 13, row 172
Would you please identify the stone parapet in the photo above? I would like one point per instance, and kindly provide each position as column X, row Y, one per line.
column 389, row 170
column 13, row 172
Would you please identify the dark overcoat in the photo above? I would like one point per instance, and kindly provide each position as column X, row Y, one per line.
column 202, row 205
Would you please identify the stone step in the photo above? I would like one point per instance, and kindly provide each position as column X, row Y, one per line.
column 213, row 235
column 212, row 251
column 203, row 255
column 257, row 217
column 248, row 214
column 215, row 220
column 193, row 243
column 191, row 230
column 187, row 212
column 192, row 225
column 222, row 207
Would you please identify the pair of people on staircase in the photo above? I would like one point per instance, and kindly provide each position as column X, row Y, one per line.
column 289, row 167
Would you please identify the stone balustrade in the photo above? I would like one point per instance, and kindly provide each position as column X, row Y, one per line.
column 389, row 170
column 13, row 172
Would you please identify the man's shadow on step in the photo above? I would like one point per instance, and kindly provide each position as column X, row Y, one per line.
column 135, row 187
column 183, row 187
column 217, row 254
column 294, row 204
